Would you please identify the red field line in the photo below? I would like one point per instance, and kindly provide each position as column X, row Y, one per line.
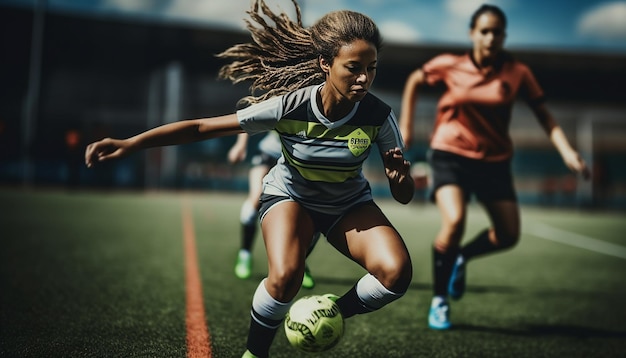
column 198, row 339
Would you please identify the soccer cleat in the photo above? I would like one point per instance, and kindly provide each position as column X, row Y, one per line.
column 307, row 280
column 247, row 354
column 456, row 286
column 439, row 315
column 243, row 266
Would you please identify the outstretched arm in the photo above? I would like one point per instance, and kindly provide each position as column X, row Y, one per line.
column 181, row 132
column 398, row 172
column 409, row 99
column 570, row 156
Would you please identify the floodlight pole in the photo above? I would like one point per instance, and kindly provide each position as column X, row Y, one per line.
column 31, row 101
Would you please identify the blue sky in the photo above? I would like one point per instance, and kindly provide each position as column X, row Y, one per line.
column 561, row 25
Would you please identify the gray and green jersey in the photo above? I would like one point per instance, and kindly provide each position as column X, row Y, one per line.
column 321, row 164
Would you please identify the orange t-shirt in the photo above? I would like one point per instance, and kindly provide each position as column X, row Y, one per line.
column 474, row 113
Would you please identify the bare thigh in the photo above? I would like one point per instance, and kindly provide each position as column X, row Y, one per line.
column 287, row 232
column 367, row 237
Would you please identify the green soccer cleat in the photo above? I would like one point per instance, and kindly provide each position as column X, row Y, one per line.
column 247, row 354
column 243, row 266
column 307, row 280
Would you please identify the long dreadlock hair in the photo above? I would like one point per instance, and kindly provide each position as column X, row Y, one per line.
column 285, row 57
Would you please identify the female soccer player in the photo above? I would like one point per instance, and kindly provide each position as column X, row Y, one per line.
column 317, row 98
column 470, row 149
column 268, row 152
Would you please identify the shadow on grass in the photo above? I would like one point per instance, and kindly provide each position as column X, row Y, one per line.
column 545, row 330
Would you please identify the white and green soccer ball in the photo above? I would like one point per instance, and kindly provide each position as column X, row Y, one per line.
column 314, row 323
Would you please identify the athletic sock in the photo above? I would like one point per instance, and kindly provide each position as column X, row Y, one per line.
column 367, row 295
column 260, row 338
column 248, row 216
column 247, row 236
column 479, row 245
column 267, row 315
column 442, row 269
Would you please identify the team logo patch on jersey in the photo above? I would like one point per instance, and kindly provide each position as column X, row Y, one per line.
column 358, row 142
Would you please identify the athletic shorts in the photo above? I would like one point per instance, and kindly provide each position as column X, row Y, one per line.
column 322, row 222
column 488, row 181
column 261, row 158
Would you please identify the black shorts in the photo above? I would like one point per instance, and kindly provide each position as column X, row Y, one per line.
column 322, row 222
column 488, row 181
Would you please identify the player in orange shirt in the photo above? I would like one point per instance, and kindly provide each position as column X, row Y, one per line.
column 470, row 148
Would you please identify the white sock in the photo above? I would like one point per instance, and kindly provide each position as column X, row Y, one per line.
column 267, row 307
column 244, row 254
column 248, row 214
column 373, row 293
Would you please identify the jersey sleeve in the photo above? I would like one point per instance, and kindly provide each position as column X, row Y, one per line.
column 261, row 117
column 389, row 136
column 435, row 69
column 530, row 89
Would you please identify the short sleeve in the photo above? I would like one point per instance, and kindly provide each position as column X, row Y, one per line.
column 435, row 69
column 531, row 91
column 261, row 117
column 389, row 136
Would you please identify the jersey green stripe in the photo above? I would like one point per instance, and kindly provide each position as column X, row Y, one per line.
column 319, row 131
column 324, row 173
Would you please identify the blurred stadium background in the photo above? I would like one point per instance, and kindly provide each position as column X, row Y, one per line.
column 69, row 79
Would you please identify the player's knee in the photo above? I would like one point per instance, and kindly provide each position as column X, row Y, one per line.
column 395, row 275
column 507, row 240
column 444, row 246
column 284, row 282
column 452, row 232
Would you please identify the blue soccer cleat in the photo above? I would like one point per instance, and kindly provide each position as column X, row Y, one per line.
column 456, row 286
column 439, row 315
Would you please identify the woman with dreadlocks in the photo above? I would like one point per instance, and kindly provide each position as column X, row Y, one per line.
column 316, row 97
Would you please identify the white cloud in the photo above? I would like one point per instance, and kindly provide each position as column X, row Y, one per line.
column 607, row 21
column 216, row 13
column 225, row 13
column 313, row 11
column 463, row 8
column 455, row 24
column 398, row 32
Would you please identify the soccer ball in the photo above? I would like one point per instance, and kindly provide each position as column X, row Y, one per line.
column 314, row 324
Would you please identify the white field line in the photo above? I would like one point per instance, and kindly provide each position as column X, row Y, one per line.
column 546, row 232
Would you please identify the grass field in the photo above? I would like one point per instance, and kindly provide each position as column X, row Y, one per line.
column 103, row 274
